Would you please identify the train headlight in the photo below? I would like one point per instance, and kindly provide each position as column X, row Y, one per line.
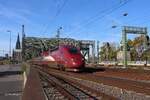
column 72, row 59
column 73, row 63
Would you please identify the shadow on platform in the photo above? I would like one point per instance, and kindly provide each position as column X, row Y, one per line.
column 6, row 73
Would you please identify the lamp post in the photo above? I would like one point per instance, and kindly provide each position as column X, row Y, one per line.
column 58, row 34
column 9, row 42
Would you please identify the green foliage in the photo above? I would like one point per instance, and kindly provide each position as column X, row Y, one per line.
column 133, row 54
column 3, row 62
column 134, row 44
column 108, row 52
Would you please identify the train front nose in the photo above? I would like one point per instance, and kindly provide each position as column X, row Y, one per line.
column 74, row 63
column 77, row 63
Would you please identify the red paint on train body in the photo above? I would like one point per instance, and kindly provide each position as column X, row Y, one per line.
column 67, row 57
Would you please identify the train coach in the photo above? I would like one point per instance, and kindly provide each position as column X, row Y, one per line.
column 66, row 57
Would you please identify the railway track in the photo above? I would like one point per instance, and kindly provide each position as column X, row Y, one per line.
column 115, row 87
column 50, row 90
column 128, row 84
column 58, row 88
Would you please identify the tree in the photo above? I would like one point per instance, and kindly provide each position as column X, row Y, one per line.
column 108, row 52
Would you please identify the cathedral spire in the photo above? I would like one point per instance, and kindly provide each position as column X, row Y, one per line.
column 18, row 43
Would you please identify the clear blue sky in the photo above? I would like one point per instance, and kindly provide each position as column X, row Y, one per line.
column 80, row 19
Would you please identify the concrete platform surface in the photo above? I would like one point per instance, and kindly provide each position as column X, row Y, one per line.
column 11, row 83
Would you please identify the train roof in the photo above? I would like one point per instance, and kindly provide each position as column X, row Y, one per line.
column 67, row 46
column 57, row 47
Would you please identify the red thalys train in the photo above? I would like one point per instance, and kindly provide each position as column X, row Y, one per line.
column 65, row 57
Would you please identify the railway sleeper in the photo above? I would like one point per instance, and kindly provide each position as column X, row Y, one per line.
column 51, row 92
column 89, row 90
column 75, row 90
column 72, row 90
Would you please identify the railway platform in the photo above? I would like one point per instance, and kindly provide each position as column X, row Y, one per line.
column 11, row 82
column 33, row 89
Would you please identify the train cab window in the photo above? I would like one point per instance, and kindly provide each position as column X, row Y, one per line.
column 73, row 50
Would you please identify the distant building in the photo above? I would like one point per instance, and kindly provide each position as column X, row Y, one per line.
column 17, row 53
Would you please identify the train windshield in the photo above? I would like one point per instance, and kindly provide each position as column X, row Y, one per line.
column 73, row 50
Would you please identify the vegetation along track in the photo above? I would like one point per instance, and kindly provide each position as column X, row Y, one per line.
column 58, row 88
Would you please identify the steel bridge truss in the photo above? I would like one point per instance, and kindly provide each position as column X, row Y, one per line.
column 85, row 49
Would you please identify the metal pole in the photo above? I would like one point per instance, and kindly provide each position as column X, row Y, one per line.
column 88, row 55
column 145, row 41
column 145, row 46
column 9, row 45
column 98, row 52
column 93, row 51
column 124, row 39
column 23, row 43
column 58, row 34
column 9, row 42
